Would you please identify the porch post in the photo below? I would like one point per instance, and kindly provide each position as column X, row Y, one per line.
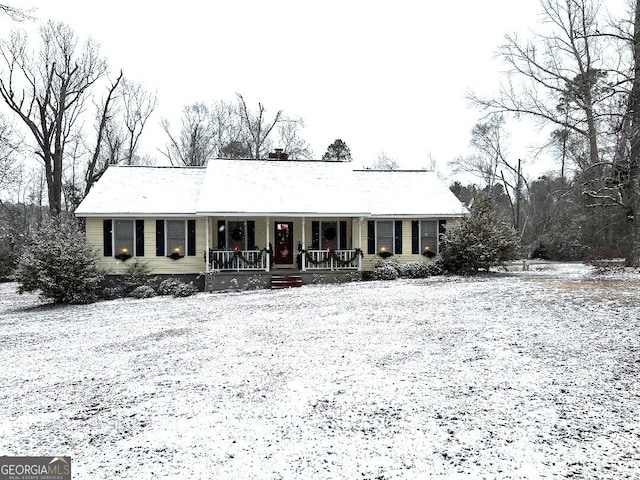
column 360, row 243
column 303, row 260
column 206, row 245
column 268, row 220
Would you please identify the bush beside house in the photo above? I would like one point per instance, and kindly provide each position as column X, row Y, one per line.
column 60, row 264
column 479, row 241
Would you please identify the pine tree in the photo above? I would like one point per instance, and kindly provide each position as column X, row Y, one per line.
column 338, row 151
column 479, row 241
column 60, row 264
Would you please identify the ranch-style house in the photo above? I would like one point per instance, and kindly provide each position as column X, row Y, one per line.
column 240, row 223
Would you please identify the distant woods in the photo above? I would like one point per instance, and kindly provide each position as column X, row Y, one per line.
column 579, row 79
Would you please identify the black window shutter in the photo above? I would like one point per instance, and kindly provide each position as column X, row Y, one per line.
column 251, row 235
column 371, row 237
column 398, row 237
column 315, row 235
column 159, row 238
column 222, row 235
column 442, row 229
column 107, row 231
column 139, row 238
column 415, row 236
column 191, row 238
column 342, row 244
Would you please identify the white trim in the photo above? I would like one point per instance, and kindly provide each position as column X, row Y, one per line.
column 207, row 245
column 140, row 216
column 283, row 214
column 303, row 260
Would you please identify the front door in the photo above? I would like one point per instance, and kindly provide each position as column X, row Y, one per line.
column 283, row 248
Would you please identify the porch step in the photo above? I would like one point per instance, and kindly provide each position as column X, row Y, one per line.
column 285, row 281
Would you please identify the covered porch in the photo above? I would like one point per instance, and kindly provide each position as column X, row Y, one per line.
column 272, row 243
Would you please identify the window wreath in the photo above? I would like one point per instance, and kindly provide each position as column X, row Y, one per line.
column 330, row 233
column 237, row 233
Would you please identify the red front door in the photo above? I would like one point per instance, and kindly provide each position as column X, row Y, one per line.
column 283, row 248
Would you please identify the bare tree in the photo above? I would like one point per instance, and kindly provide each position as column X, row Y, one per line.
column 291, row 141
column 47, row 92
column 138, row 105
column 10, row 166
column 196, row 142
column 257, row 128
column 95, row 168
column 385, row 162
column 491, row 163
column 17, row 14
column 562, row 76
column 227, row 125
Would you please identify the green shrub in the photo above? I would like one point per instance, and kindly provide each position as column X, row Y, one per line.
column 143, row 291
column 422, row 269
column 168, row 286
column 386, row 270
column 111, row 293
column 135, row 275
column 60, row 264
column 184, row 290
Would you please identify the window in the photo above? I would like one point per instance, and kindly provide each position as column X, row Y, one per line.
column 428, row 236
column 329, row 235
column 123, row 238
column 176, row 237
column 236, row 235
column 384, row 237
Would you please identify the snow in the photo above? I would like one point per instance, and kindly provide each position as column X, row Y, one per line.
column 520, row 374
column 261, row 187
column 141, row 190
column 297, row 188
column 266, row 187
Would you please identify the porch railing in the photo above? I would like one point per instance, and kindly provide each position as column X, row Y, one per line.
column 238, row 260
column 332, row 259
column 241, row 260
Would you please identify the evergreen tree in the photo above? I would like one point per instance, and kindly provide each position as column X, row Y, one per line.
column 337, row 152
column 480, row 240
column 60, row 264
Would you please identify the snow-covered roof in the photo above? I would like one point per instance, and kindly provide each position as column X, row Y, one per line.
column 245, row 187
column 414, row 193
column 292, row 188
column 270, row 187
column 143, row 191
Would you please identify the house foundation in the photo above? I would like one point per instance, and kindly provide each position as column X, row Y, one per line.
column 244, row 280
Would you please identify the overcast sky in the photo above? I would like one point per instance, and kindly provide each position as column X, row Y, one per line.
column 382, row 76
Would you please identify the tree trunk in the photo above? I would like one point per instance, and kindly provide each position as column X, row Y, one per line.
column 633, row 183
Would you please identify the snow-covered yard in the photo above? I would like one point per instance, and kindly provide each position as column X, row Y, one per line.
column 514, row 375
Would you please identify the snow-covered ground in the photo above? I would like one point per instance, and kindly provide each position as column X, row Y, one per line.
column 513, row 375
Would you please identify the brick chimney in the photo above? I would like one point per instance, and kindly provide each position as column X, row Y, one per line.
column 278, row 154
